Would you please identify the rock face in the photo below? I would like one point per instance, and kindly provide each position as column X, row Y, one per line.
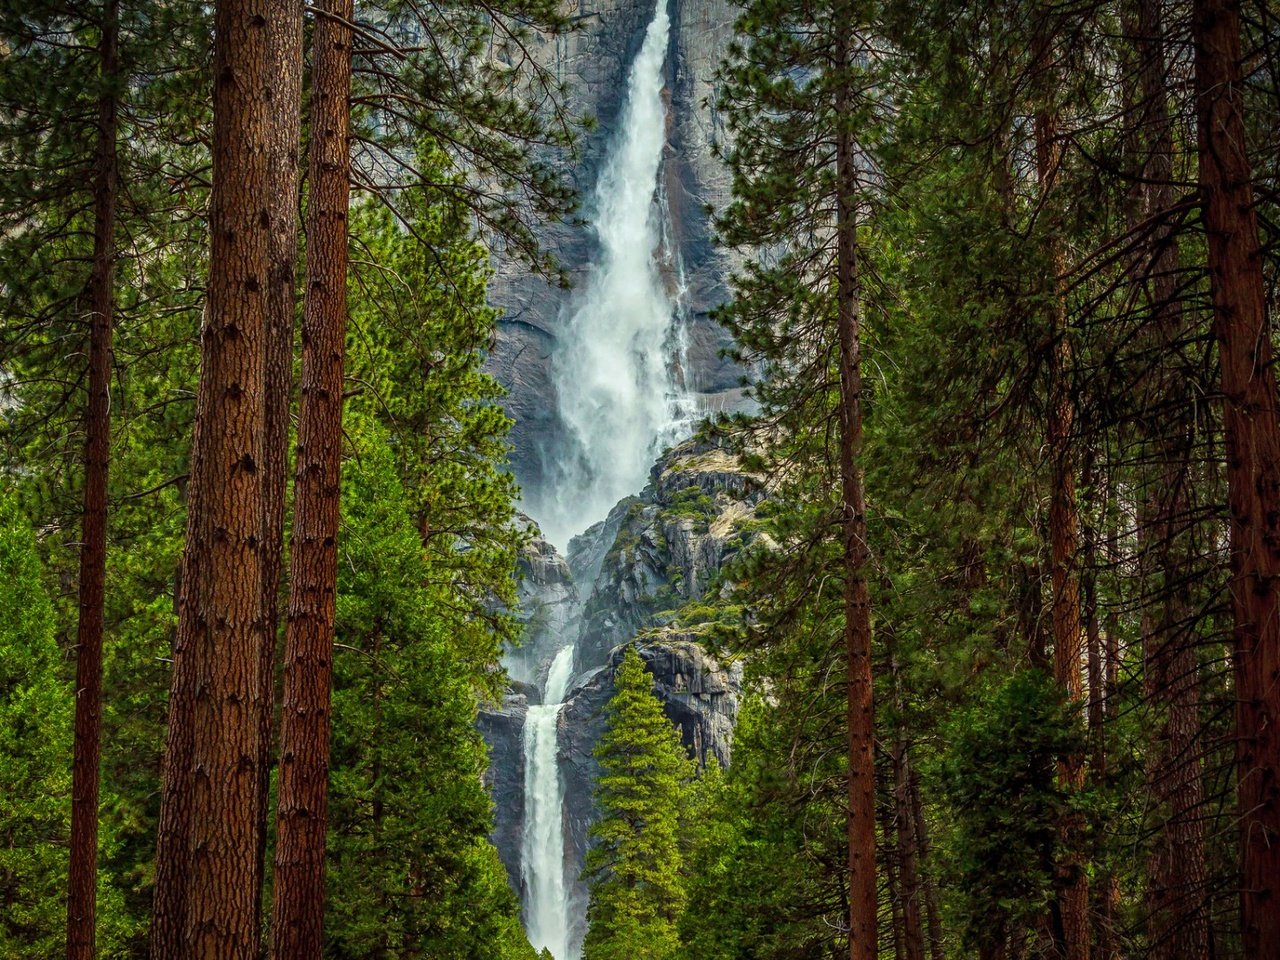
column 593, row 61
column 653, row 554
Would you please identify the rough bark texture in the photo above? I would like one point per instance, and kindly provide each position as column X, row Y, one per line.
column 1064, row 534
column 1241, row 327
column 301, row 817
column 284, row 39
column 83, row 868
column 863, row 906
column 209, row 837
column 1178, row 921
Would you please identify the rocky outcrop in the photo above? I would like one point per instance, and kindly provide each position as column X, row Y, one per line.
column 665, row 546
column 593, row 62
column 638, row 571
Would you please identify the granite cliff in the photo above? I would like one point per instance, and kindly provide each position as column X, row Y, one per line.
column 593, row 61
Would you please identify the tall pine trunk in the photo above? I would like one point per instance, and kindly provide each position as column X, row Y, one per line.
column 301, row 817
column 85, row 777
column 1064, row 525
column 209, row 835
column 1241, row 327
column 284, row 37
column 1176, row 888
column 863, row 902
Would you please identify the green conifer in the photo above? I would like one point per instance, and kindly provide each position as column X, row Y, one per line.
column 635, row 870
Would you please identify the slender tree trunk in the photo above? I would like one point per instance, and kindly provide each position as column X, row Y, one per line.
column 1178, row 912
column 1064, row 530
column 888, row 830
column 85, row 780
column 930, row 890
column 908, row 859
column 284, row 39
column 1242, row 330
column 863, row 906
column 208, row 845
column 298, row 902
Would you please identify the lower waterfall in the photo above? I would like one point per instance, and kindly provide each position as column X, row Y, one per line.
column 542, row 858
column 618, row 372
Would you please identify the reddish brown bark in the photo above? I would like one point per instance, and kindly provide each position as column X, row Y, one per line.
column 1178, row 923
column 284, row 39
column 863, row 906
column 209, row 835
column 1241, row 327
column 297, row 922
column 85, row 778
column 1064, row 528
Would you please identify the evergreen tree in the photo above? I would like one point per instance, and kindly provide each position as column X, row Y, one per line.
column 36, row 708
column 411, row 872
column 635, row 867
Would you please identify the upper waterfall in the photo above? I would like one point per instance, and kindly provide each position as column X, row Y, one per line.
column 617, row 365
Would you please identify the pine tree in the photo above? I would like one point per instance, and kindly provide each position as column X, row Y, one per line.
column 297, row 920
column 35, row 719
column 208, row 840
column 634, row 869
column 411, row 871
column 35, row 744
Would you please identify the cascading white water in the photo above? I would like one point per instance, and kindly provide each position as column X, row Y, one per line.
column 619, row 372
column 617, row 366
column 542, row 857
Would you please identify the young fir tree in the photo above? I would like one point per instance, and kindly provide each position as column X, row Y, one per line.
column 36, row 709
column 635, row 869
column 411, row 870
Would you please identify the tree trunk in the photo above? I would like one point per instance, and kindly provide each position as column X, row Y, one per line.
column 284, row 39
column 908, row 859
column 1240, row 324
column 1178, row 913
column 932, row 914
column 890, row 870
column 863, row 906
column 83, row 868
column 209, row 836
column 298, row 902
column 1064, row 531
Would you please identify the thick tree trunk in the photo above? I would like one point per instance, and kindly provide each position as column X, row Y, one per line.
column 83, row 868
column 210, row 838
column 1064, row 534
column 301, row 818
column 284, row 39
column 1240, row 324
column 857, row 604
column 1178, row 912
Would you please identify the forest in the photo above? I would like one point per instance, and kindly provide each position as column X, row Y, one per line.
column 639, row 480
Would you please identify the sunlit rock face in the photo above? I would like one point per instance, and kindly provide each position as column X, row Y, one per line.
column 594, row 61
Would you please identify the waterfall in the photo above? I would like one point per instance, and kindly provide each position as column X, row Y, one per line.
column 619, row 370
column 542, row 857
column 618, row 365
